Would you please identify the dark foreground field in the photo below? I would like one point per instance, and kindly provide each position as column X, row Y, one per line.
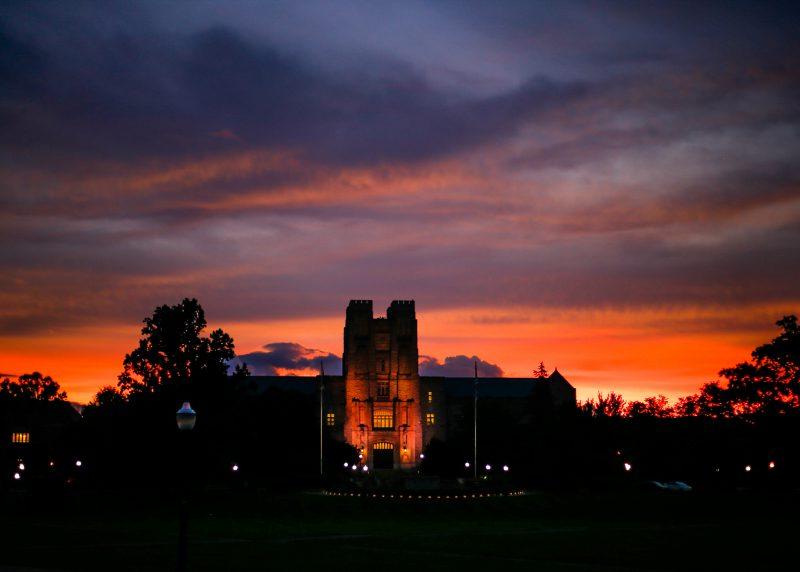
column 249, row 531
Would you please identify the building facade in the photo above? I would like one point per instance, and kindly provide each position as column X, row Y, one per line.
column 382, row 384
column 385, row 409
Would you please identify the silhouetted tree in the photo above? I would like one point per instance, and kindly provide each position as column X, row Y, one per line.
column 541, row 371
column 33, row 386
column 766, row 386
column 173, row 352
column 611, row 405
column 107, row 396
column 649, row 407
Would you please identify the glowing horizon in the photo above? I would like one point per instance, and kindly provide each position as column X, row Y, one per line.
column 627, row 351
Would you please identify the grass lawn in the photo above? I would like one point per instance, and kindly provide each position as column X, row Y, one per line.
column 305, row 531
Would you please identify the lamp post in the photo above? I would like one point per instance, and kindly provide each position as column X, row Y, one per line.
column 185, row 418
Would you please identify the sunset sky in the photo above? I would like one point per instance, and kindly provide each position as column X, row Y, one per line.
column 610, row 188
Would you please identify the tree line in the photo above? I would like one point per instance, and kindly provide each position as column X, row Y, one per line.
column 766, row 385
column 127, row 431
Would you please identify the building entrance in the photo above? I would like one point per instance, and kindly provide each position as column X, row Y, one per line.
column 383, row 456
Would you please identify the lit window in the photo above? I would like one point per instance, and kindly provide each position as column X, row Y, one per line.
column 383, row 419
column 331, row 419
column 430, row 418
column 430, row 397
column 20, row 437
column 383, row 446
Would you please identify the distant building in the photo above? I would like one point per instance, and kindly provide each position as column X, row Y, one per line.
column 383, row 407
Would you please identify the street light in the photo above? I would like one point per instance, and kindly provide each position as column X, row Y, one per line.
column 185, row 417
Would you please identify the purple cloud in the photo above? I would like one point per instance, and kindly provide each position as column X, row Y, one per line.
column 283, row 356
column 458, row 366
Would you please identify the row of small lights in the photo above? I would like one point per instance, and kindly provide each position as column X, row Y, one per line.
column 424, row 497
column 364, row 468
column 51, row 464
column 487, row 467
column 235, row 468
column 747, row 468
column 79, row 463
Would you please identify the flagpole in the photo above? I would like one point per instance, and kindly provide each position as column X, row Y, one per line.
column 321, row 415
column 475, row 424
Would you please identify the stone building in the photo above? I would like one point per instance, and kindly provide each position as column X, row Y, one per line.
column 383, row 407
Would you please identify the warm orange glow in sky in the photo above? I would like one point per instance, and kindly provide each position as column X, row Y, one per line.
column 636, row 353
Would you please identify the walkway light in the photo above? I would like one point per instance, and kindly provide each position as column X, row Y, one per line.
column 78, row 463
column 422, row 455
column 17, row 476
column 186, row 417
column 488, row 467
column 365, row 468
column 235, row 468
column 627, row 466
column 771, row 464
column 22, row 466
column 354, row 466
column 346, row 464
column 466, row 465
column 505, row 468
column 748, row 468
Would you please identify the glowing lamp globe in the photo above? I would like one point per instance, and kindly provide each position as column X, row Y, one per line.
column 186, row 417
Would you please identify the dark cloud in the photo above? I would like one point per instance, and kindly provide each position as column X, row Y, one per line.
column 288, row 356
column 140, row 94
column 504, row 155
column 458, row 366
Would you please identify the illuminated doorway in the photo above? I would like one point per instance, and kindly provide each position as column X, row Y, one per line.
column 383, row 455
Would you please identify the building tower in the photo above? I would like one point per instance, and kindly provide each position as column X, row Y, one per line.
column 382, row 390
